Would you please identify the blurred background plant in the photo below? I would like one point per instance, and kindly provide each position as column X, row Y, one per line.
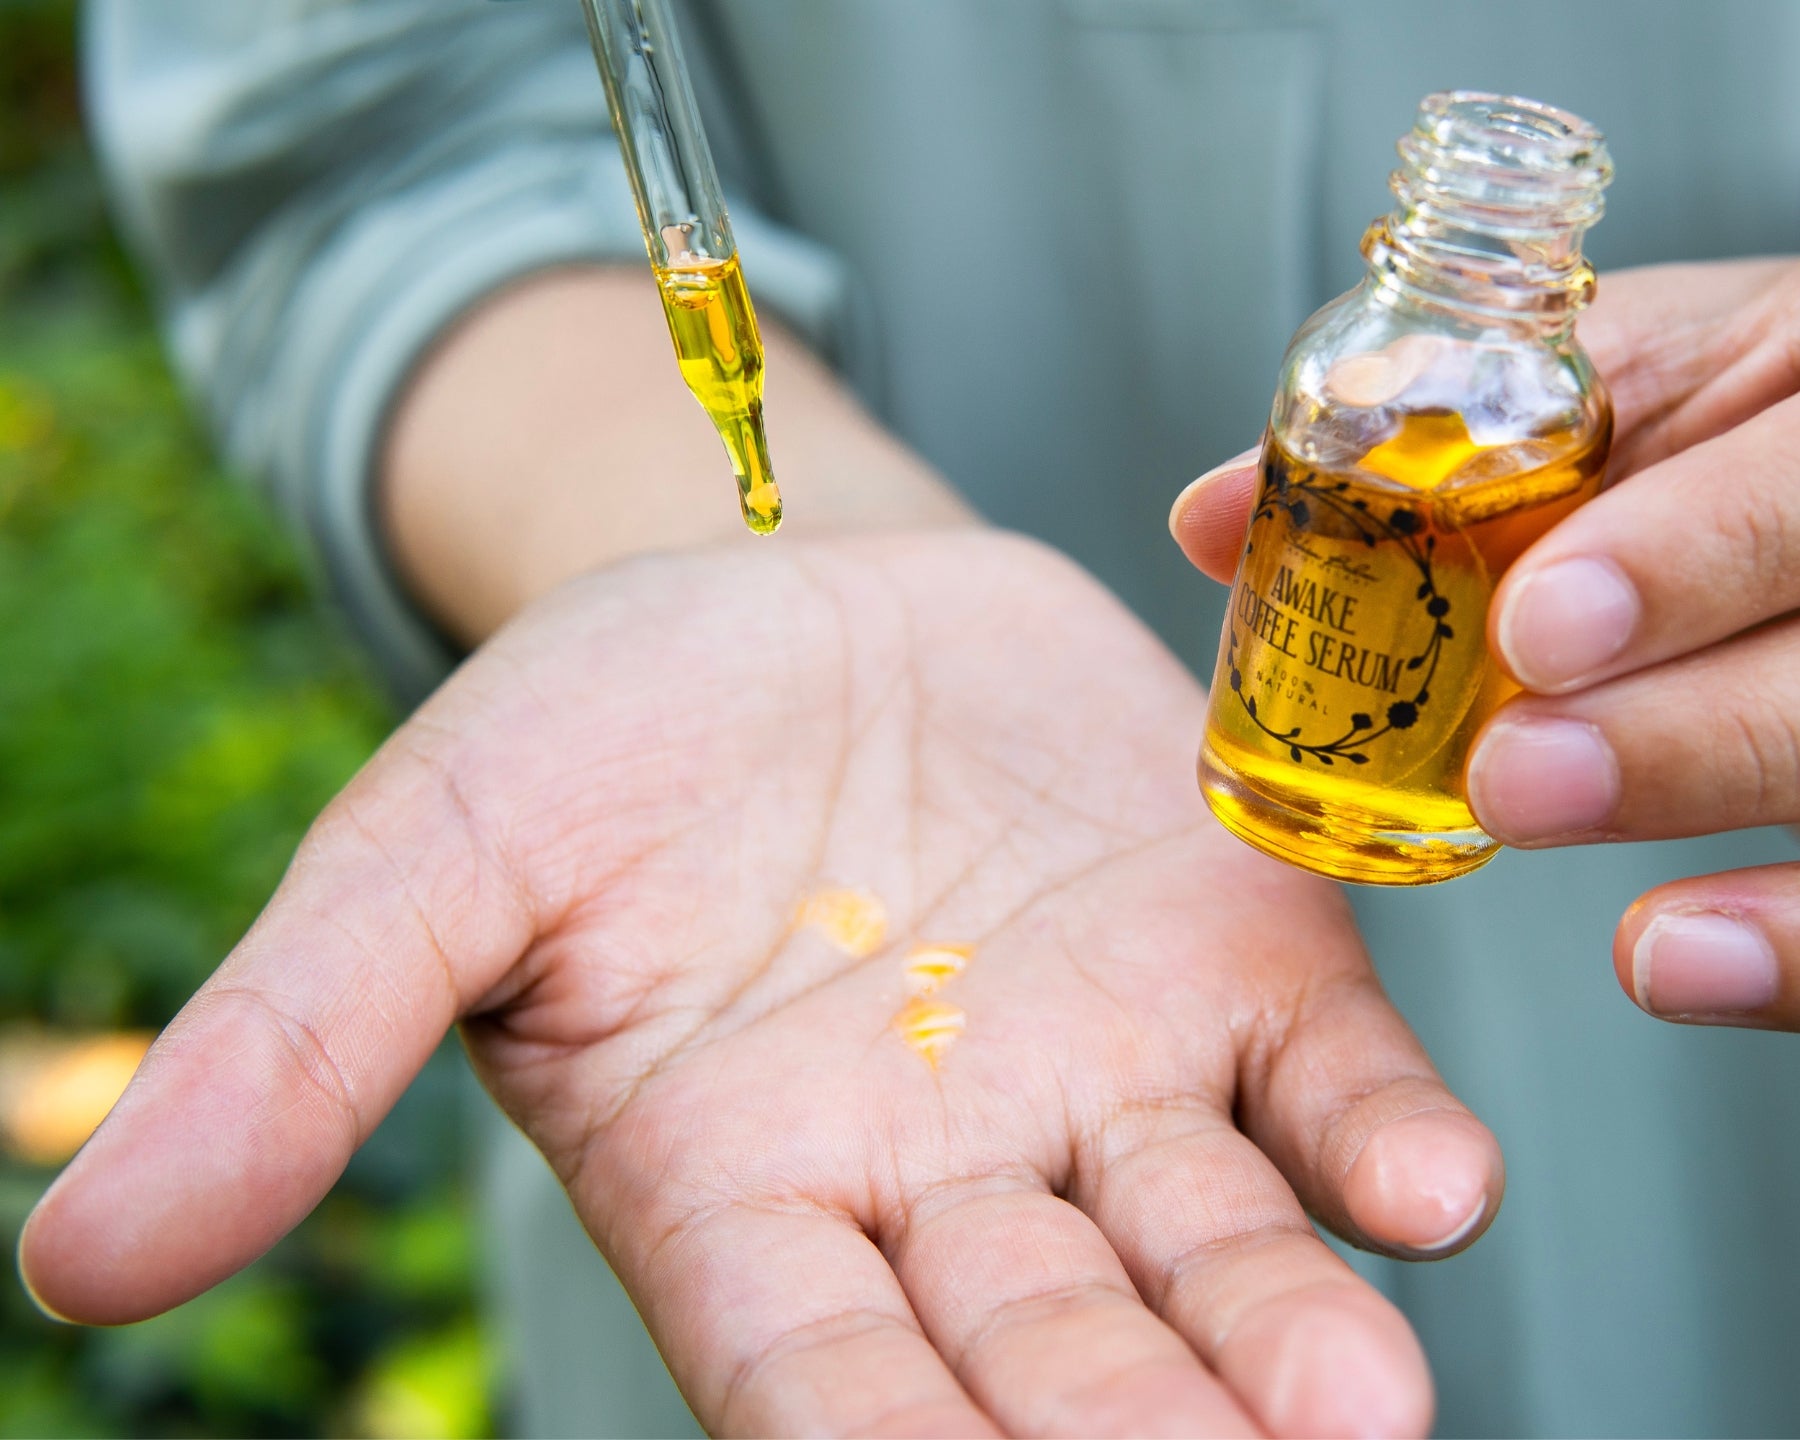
column 173, row 710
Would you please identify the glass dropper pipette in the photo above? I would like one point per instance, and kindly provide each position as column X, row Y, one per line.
column 688, row 235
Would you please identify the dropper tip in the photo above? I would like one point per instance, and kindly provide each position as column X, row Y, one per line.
column 762, row 508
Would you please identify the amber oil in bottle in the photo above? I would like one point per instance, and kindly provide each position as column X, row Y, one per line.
column 1428, row 427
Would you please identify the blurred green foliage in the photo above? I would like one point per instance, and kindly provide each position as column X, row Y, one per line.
column 173, row 711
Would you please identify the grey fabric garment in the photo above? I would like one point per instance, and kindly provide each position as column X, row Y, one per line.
column 319, row 189
column 578, row 1360
column 1058, row 245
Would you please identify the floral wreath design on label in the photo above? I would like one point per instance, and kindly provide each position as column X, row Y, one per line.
column 1403, row 526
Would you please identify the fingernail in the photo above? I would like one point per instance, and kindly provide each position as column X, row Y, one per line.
column 1563, row 623
column 25, row 1279
column 1534, row 779
column 1703, row 963
column 1194, row 487
column 1421, row 1182
column 1459, row 1234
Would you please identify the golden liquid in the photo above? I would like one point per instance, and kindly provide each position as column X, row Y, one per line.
column 720, row 349
column 931, row 1026
column 852, row 921
column 929, row 968
column 1353, row 670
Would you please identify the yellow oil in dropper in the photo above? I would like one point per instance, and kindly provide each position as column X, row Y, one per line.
column 687, row 234
column 721, row 356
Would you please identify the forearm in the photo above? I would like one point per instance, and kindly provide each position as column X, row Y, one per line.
column 550, row 433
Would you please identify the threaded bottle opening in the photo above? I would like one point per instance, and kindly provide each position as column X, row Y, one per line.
column 1495, row 193
column 1527, row 164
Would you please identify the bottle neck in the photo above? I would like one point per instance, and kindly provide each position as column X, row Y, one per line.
column 1495, row 195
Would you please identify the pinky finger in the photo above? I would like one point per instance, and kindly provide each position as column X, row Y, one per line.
column 1716, row 950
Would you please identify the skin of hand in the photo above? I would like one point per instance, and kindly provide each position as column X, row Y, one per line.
column 588, row 850
column 565, row 388
column 1656, row 632
column 589, row 847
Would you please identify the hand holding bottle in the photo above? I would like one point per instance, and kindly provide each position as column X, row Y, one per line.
column 1656, row 632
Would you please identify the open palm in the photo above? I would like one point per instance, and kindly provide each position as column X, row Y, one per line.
column 1062, row 1192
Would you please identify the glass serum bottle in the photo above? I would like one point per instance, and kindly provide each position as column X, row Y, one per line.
column 1428, row 426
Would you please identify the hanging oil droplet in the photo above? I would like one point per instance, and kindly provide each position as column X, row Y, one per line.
column 721, row 355
column 930, row 967
column 852, row 920
column 930, row 1027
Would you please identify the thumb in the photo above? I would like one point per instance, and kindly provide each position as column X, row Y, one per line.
column 1209, row 518
column 392, row 916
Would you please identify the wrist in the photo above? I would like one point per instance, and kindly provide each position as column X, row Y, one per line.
column 550, row 434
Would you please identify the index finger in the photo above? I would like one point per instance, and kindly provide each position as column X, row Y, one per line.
column 389, row 922
column 1689, row 351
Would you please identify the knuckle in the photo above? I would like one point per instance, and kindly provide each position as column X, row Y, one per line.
column 1759, row 753
column 1285, row 1045
column 1206, row 1265
column 312, row 1063
column 1021, row 1314
column 747, row 1386
column 1758, row 533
